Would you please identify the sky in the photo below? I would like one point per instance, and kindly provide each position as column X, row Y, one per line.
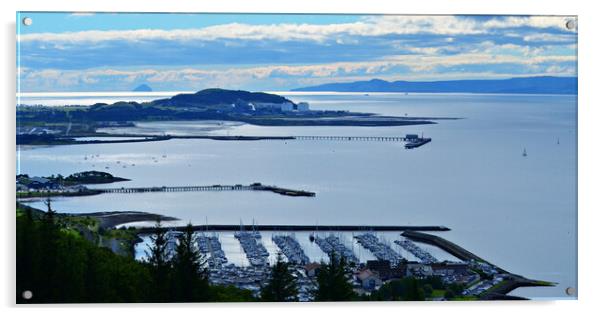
column 76, row 52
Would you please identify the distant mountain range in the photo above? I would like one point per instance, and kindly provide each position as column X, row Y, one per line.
column 526, row 85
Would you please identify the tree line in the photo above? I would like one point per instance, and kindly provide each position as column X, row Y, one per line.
column 57, row 265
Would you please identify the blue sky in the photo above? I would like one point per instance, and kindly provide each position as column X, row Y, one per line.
column 117, row 52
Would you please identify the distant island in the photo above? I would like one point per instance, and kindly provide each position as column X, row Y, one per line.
column 143, row 88
column 39, row 125
column 527, row 85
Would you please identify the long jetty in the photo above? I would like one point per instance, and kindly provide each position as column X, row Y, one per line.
column 292, row 228
column 143, row 137
column 354, row 138
column 216, row 187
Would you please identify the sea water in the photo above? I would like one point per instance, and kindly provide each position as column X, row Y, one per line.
column 518, row 212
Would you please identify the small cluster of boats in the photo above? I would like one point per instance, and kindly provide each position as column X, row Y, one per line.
column 118, row 162
column 255, row 251
column 291, row 248
column 212, row 247
column 378, row 249
column 171, row 238
column 418, row 252
column 332, row 244
column 249, row 277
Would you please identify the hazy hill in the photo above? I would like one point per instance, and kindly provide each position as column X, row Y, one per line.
column 143, row 88
column 528, row 85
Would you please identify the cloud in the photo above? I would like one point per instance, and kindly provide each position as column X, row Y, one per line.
column 554, row 22
column 287, row 76
column 286, row 55
column 547, row 37
column 368, row 26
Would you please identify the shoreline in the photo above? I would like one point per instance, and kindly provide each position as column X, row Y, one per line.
column 111, row 219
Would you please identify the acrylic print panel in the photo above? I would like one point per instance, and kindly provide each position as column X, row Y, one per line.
column 272, row 157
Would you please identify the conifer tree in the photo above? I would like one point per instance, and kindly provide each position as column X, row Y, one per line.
column 48, row 252
column 333, row 284
column 282, row 285
column 189, row 282
column 159, row 259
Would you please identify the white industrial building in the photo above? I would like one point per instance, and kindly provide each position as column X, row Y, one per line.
column 284, row 107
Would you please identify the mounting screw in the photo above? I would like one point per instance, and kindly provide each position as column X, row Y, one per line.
column 570, row 291
column 27, row 21
column 571, row 24
column 27, row 295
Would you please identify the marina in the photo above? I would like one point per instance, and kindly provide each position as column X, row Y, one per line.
column 212, row 248
column 291, row 249
column 333, row 245
column 252, row 247
column 419, row 253
column 378, row 248
column 254, row 272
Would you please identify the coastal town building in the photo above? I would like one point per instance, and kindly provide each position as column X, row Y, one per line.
column 311, row 269
column 369, row 279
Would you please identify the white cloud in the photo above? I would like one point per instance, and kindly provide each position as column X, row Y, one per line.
column 416, row 65
column 368, row 26
column 547, row 37
column 557, row 22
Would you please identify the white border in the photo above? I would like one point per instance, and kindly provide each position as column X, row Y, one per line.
column 589, row 152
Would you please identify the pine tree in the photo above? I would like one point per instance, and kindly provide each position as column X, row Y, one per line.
column 189, row 282
column 159, row 259
column 282, row 286
column 26, row 248
column 48, row 254
column 333, row 282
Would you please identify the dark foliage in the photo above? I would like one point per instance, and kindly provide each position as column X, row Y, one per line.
column 59, row 266
column 412, row 289
column 333, row 281
column 282, row 286
column 189, row 279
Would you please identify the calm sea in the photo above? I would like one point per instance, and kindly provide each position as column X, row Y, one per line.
column 517, row 212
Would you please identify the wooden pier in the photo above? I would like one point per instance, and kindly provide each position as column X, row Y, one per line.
column 139, row 138
column 215, row 187
column 354, row 138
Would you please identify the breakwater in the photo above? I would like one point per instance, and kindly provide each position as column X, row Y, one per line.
column 292, row 228
column 444, row 244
